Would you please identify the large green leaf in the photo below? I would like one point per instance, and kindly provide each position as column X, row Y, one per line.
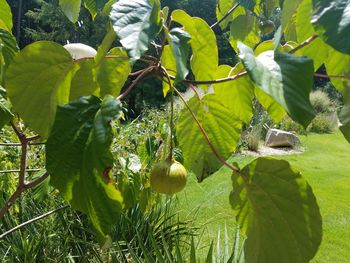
column 237, row 95
column 338, row 64
column 179, row 42
column 286, row 78
column 5, row 16
column 112, row 73
column 168, row 61
column 83, row 82
column 204, row 61
column 5, row 112
column 79, row 160
column 37, row 81
column 221, row 126
column 317, row 50
column 8, row 46
column 71, row 8
column 136, row 23
column 332, row 22
column 277, row 210
column 344, row 114
column 244, row 28
column 105, row 45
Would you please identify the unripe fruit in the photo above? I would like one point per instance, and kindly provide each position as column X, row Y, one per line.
column 168, row 177
column 267, row 26
column 78, row 50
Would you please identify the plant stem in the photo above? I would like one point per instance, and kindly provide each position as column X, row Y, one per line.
column 303, row 44
column 171, row 113
column 319, row 75
column 3, row 235
column 136, row 81
column 17, row 171
column 215, row 81
column 225, row 16
column 206, row 137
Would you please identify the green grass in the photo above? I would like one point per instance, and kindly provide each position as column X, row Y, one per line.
column 325, row 164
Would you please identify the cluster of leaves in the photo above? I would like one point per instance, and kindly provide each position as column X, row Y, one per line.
column 72, row 103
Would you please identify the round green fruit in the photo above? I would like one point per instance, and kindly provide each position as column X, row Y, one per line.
column 168, row 177
column 267, row 26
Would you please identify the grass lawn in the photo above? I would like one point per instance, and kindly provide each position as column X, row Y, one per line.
column 325, row 164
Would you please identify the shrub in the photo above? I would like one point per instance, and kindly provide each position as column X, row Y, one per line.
column 253, row 138
column 288, row 124
column 321, row 102
column 323, row 123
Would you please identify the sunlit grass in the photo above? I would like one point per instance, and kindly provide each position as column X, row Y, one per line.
column 325, row 164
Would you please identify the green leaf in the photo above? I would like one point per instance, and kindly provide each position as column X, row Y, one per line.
column 338, row 64
column 136, row 23
column 79, row 160
column 105, row 45
column 221, row 126
column 179, row 42
column 113, row 73
column 93, row 6
column 317, row 50
column 71, row 8
column 223, row 7
column 288, row 11
column 275, row 110
column 244, row 28
column 332, row 22
column 344, row 114
column 83, row 82
column 237, row 95
column 5, row 16
column 204, row 61
column 37, row 81
column 277, row 210
column 286, row 78
column 5, row 112
column 8, row 46
column 168, row 61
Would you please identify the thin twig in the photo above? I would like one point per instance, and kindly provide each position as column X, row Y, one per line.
column 14, row 144
column 303, row 44
column 225, row 16
column 37, row 181
column 319, row 75
column 135, row 82
column 3, row 235
column 215, row 81
column 17, row 171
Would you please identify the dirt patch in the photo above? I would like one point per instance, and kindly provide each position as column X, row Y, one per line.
column 269, row 151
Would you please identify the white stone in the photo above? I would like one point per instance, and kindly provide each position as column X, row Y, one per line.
column 280, row 138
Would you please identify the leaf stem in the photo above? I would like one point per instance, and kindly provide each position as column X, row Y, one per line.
column 136, row 81
column 229, row 12
column 319, row 75
column 303, row 44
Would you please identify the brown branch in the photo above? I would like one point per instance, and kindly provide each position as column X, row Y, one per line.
column 216, row 81
column 9, row 203
column 3, row 235
column 303, row 44
column 37, row 181
column 17, row 171
column 319, row 75
column 13, row 144
column 135, row 82
column 225, row 16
